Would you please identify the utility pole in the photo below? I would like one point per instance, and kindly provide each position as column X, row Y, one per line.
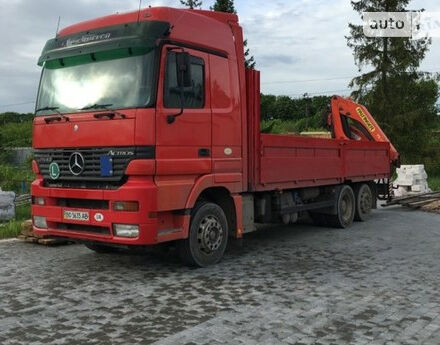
column 307, row 100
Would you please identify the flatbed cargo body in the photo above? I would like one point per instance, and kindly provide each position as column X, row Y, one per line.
column 310, row 162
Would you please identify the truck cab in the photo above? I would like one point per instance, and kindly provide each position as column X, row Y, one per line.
column 125, row 142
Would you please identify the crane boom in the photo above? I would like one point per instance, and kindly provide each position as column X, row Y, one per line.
column 352, row 121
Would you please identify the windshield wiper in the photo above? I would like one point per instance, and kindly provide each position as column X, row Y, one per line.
column 52, row 118
column 97, row 106
column 110, row 114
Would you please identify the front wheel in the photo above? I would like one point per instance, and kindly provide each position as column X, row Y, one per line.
column 208, row 236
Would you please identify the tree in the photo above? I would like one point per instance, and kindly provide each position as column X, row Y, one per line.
column 400, row 97
column 284, row 108
column 387, row 56
column 192, row 4
column 268, row 106
column 224, row 6
column 249, row 60
column 228, row 7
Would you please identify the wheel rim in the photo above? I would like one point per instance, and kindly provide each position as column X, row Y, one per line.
column 346, row 208
column 210, row 234
column 365, row 201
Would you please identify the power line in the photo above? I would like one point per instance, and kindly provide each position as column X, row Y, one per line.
column 305, row 80
column 319, row 92
column 326, row 79
column 13, row 105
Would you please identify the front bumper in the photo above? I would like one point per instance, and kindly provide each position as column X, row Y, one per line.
column 99, row 205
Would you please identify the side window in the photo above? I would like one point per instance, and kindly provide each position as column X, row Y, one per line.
column 194, row 96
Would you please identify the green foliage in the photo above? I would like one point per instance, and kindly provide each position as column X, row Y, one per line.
column 249, row 60
column 387, row 56
column 11, row 117
column 16, row 134
column 287, row 108
column 283, row 114
column 192, row 4
column 434, row 183
column 13, row 228
column 402, row 99
column 10, row 230
column 224, row 6
column 16, row 179
column 15, row 131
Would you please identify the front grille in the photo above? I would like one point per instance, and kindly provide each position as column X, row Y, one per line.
column 92, row 172
column 103, row 185
column 83, row 228
column 84, row 204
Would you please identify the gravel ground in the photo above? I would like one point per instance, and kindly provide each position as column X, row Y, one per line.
column 376, row 283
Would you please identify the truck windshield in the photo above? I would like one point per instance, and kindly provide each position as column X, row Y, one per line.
column 71, row 85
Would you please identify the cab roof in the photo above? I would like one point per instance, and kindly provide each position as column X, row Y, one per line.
column 207, row 29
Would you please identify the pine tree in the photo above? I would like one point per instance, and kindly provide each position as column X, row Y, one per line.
column 228, row 7
column 191, row 4
column 249, row 60
column 224, row 6
column 388, row 56
column 400, row 97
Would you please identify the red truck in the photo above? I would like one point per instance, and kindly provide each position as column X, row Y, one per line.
column 148, row 131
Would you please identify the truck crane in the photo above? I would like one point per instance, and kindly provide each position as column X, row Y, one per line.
column 148, row 132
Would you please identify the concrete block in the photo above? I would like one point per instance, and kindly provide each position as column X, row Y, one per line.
column 7, row 205
column 412, row 179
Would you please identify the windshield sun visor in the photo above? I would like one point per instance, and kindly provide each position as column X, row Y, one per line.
column 142, row 35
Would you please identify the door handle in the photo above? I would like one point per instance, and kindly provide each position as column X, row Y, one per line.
column 204, row 153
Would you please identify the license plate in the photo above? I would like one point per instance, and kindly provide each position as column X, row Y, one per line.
column 75, row 215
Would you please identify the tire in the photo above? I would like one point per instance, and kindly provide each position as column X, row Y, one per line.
column 364, row 202
column 345, row 207
column 101, row 249
column 208, row 236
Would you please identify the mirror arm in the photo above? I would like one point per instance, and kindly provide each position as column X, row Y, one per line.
column 172, row 118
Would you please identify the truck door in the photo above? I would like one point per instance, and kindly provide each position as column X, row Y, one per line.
column 184, row 147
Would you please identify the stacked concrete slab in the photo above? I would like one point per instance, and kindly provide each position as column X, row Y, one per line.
column 7, row 205
column 411, row 180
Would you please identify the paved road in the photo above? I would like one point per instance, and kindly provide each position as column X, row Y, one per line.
column 376, row 283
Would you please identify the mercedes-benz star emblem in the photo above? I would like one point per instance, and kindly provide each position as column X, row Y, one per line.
column 76, row 163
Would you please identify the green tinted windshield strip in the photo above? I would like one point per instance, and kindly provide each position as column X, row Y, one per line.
column 71, row 61
column 131, row 35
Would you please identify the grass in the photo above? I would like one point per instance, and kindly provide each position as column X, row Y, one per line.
column 434, row 183
column 14, row 179
column 12, row 228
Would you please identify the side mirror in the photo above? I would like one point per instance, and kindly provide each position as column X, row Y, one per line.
column 183, row 63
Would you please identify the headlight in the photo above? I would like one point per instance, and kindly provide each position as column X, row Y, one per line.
column 127, row 231
column 39, row 201
column 40, row 222
column 126, row 206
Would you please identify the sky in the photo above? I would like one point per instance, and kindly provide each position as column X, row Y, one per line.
column 299, row 45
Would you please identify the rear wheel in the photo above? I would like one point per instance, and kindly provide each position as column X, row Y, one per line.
column 101, row 249
column 364, row 202
column 345, row 208
column 208, row 236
